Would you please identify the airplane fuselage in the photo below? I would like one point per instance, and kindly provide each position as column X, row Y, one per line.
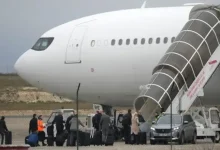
column 110, row 54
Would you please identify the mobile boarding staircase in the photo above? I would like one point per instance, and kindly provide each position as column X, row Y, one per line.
column 186, row 67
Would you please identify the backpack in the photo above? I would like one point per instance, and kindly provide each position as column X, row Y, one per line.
column 50, row 130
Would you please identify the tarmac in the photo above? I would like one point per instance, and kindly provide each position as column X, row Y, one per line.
column 19, row 127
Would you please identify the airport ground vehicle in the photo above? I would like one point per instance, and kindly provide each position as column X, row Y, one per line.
column 203, row 121
column 207, row 122
column 183, row 129
column 66, row 114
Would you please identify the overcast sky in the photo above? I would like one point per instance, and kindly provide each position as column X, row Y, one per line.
column 22, row 22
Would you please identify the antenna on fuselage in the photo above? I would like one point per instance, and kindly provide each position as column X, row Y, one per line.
column 144, row 5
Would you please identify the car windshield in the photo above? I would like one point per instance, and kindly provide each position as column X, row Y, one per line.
column 66, row 114
column 176, row 119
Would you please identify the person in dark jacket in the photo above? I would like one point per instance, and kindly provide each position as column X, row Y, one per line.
column 3, row 128
column 126, row 122
column 58, row 120
column 33, row 127
column 96, row 120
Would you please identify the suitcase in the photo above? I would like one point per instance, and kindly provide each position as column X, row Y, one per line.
column 111, row 137
column 97, row 138
column 71, row 143
column 110, row 140
column 142, row 138
column 59, row 143
column 50, row 141
column 68, row 141
column 84, row 138
column 50, row 130
column 60, row 140
column 132, row 139
column 8, row 138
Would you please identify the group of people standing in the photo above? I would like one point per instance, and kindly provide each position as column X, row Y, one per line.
column 102, row 122
column 36, row 128
column 36, row 131
column 71, row 127
column 131, row 124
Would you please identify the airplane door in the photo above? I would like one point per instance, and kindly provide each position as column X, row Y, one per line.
column 73, row 51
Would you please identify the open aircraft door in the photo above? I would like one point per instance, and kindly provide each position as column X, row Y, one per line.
column 73, row 51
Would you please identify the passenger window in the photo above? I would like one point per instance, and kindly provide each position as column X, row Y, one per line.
column 106, row 42
column 165, row 40
column 150, row 41
column 42, row 44
column 120, row 42
column 93, row 43
column 173, row 39
column 135, row 41
column 127, row 41
column 143, row 41
column 158, row 40
column 99, row 43
column 113, row 42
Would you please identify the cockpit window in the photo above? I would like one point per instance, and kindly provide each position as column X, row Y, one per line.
column 42, row 44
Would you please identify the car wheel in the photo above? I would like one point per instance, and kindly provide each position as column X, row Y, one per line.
column 152, row 142
column 216, row 139
column 182, row 139
column 194, row 138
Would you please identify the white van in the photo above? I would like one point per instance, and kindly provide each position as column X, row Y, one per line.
column 66, row 114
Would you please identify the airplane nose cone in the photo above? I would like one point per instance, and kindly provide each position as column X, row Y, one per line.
column 19, row 64
column 28, row 67
column 23, row 66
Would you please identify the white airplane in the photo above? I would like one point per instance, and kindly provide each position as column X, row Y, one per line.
column 109, row 54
